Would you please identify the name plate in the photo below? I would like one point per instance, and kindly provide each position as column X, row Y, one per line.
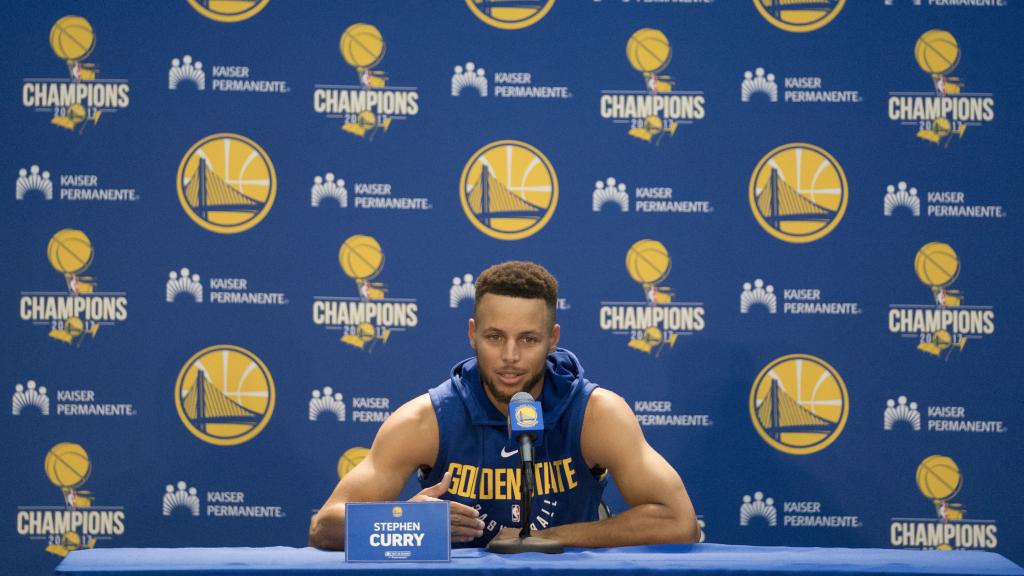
column 397, row 531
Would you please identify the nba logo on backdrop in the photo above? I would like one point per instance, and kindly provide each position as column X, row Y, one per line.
column 944, row 326
column 370, row 107
column 799, row 15
column 82, row 98
column 945, row 113
column 656, row 323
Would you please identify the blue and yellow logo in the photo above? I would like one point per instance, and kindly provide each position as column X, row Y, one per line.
column 799, row 404
column 228, row 10
column 509, row 190
column 510, row 15
column 526, row 416
column 226, row 183
column 224, row 395
column 350, row 459
column 798, row 193
column 799, row 15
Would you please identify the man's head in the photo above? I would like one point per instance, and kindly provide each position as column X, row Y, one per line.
column 513, row 328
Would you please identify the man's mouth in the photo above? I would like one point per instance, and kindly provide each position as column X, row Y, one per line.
column 510, row 377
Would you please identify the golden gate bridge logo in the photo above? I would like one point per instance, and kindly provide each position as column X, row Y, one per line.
column 228, row 10
column 226, row 183
column 799, row 404
column 510, row 14
column 799, row 15
column 224, row 395
column 509, row 190
column 798, row 193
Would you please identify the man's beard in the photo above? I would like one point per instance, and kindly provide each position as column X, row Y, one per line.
column 528, row 386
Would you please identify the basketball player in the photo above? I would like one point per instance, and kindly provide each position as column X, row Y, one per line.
column 455, row 438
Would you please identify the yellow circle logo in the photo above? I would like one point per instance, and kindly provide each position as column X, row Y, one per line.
column 350, row 459
column 648, row 262
column 67, row 465
column 228, row 10
column 226, row 183
column 509, row 190
column 224, row 395
column 799, row 15
column 799, row 404
column 526, row 416
column 69, row 251
column 937, row 265
column 938, row 478
column 798, row 193
column 510, row 15
column 648, row 50
column 937, row 52
column 361, row 257
column 72, row 38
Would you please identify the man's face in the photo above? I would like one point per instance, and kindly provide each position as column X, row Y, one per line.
column 512, row 338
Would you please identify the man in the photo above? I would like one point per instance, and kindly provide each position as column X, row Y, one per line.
column 455, row 436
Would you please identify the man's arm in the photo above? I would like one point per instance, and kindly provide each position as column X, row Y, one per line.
column 406, row 440
column 660, row 510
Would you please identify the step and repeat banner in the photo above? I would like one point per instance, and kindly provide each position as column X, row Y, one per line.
column 239, row 233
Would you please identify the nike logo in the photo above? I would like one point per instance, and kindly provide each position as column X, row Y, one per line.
column 505, row 454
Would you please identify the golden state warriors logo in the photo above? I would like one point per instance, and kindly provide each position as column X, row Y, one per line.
column 657, row 111
column 509, row 190
column 371, row 106
column 350, row 459
column 81, row 99
column 510, row 15
column 224, row 395
column 81, row 312
column 657, row 322
column 226, row 183
column 944, row 114
column 228, row 10
column 799, row 15
column 799, row 404
column 526, row 416
column 369, row 319
column 798, row 193
column 946, row 325
column 78, row 524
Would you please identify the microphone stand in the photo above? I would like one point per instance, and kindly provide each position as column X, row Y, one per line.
column 525, row 542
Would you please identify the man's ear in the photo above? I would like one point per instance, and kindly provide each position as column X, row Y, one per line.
column 472, row 334
column 556, row 333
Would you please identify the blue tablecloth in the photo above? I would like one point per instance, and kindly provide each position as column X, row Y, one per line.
column 678, row 559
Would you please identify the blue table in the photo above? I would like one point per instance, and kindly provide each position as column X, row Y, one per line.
column 662, row 560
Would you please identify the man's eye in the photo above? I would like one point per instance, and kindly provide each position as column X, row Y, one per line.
column 494, row 337
column 530, row 339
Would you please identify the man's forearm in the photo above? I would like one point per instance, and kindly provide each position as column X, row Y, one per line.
column 327, row 530
column 643, row 524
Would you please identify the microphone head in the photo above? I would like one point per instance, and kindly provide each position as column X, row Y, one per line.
column 521, row 397
column 525, row 416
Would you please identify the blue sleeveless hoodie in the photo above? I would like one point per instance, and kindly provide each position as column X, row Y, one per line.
column 485, row 466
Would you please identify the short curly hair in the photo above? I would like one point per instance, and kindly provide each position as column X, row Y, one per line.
column 518, row 279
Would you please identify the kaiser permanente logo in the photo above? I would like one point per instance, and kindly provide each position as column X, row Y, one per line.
column 614, row 195
column 945, row 113
column 231, row 11
column 758, row 85
column 945, row 325
column 78, row 523
column 510, row 15
column 82, row 98
column 224, row 395
column 657, row 322
column 762, row 510
column 904, row 414
column 33, row 182
column 902, row 199
column 758, row 296
column 366, row 195
column 186, row 285
column 180, row 499
column 799, row 404
column 660, row 413
column 367, row 320
column 471, row 78
column 654, row 113
column 799, row 15
column 951, row 3
column 371, row 106
column 189, row 72
column 29, row 398
column 79, row 312
column 939, row 479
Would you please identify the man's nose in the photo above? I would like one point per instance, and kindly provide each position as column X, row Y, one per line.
column 510, row 352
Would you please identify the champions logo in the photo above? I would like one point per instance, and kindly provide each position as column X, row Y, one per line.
column 947, row 324
column 658, row 322
column 947, row 111
column 939, row 480
column 79, row 312
column 798, row 193
column 799, row 404
column 226, row 183
column 78, row 524
column 510, row 15
column 228, row 10
column 224, row 395
column 82, row 98
column 508, row 190
column 371, row 106
column 799, row 15
column 657, row 110
column 371, row 317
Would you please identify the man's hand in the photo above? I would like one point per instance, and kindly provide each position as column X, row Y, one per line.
column 466, row 522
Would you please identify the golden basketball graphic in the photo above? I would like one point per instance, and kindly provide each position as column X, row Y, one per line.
column 361, row 257
column 648, row 50
column 510, row 15
column 799, row 404
column 224, row 395
column 798, row 193
column 72, row 38
column 362, row 46
column 228, row 10
column 648, row 262
column 69, row 251
column 937, row 265
column 937, row 52
column 226, row 183
column 938, row 477
column 509, row 190
column 67, row 465
column 350, row 459
column 799, row 15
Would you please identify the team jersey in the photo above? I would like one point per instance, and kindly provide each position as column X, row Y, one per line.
column 486, row 472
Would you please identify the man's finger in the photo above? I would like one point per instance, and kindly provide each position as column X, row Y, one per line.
column 463, row 510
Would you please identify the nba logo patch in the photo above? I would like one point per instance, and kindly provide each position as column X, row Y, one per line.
column 515, row 513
